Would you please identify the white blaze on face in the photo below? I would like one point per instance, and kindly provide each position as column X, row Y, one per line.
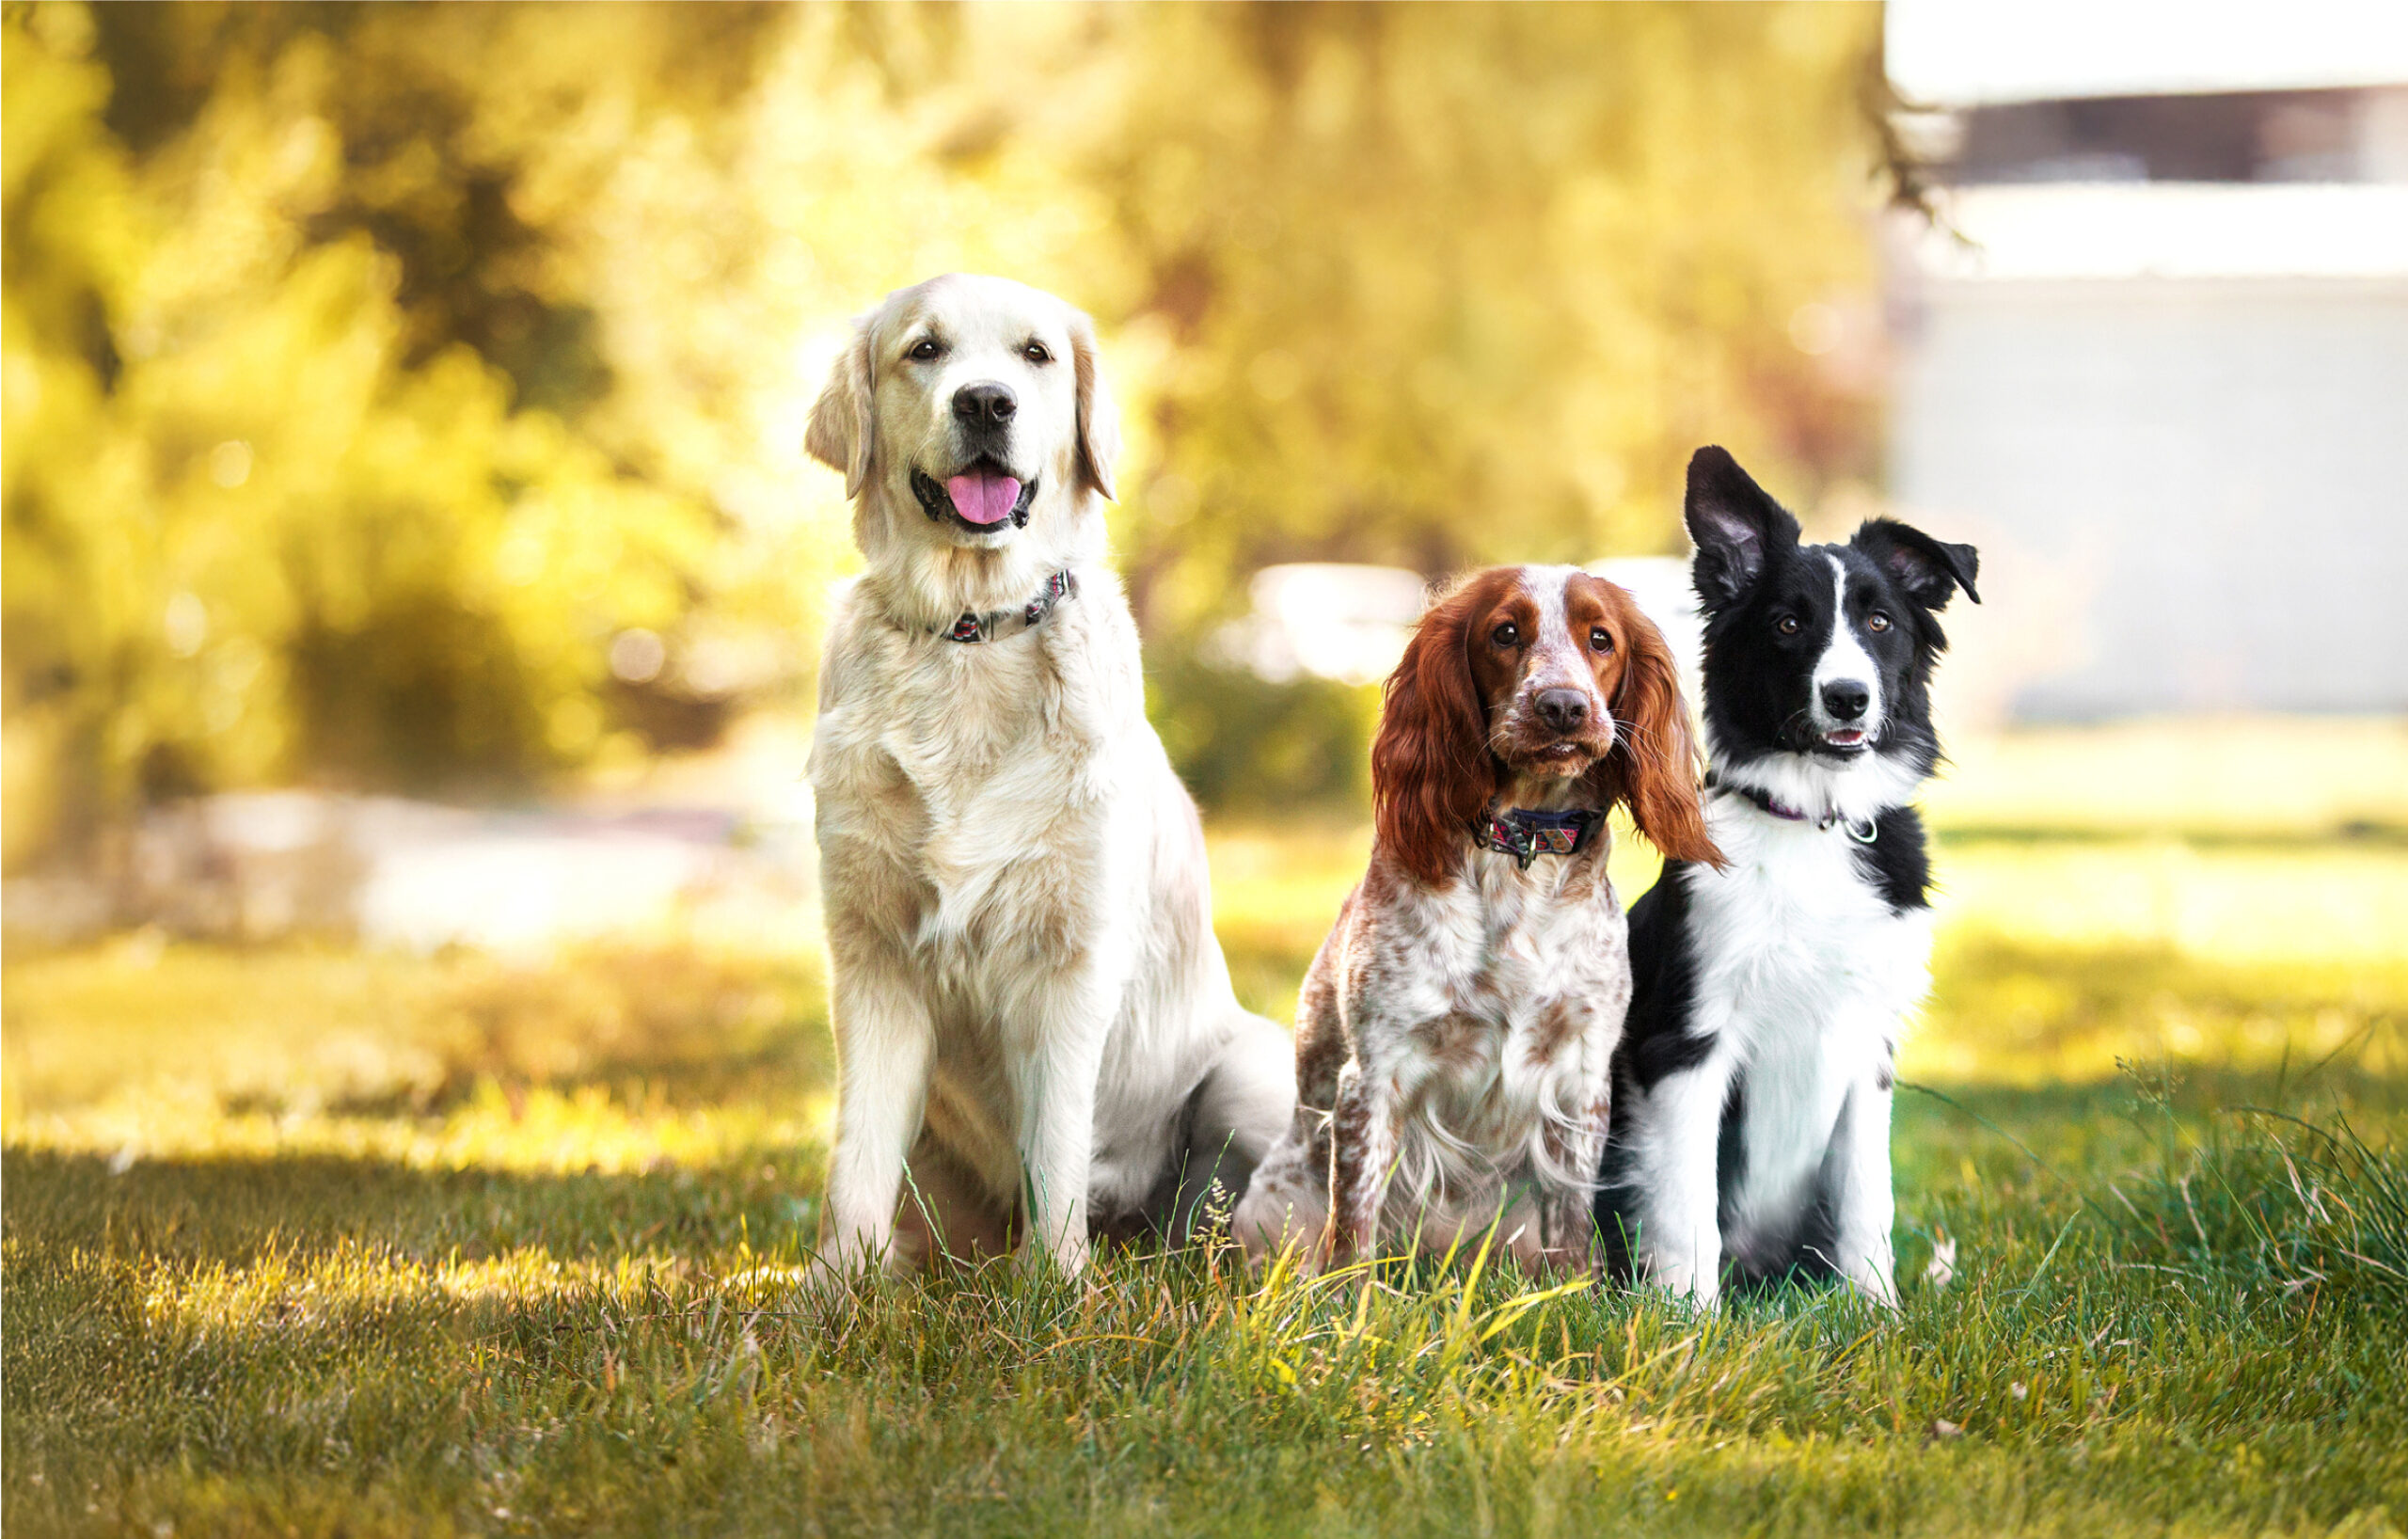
column 1845, row 660
column 1558, row 659
column 1555, row 662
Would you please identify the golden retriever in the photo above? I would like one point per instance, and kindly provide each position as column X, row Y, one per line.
column 1033, row 1018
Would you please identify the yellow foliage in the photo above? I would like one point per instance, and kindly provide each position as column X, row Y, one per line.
column 369, row 371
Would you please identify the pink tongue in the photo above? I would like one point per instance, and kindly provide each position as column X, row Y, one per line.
column 983, row 500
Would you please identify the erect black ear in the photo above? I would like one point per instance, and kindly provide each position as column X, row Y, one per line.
column 1929, row 570
column 1736, row 527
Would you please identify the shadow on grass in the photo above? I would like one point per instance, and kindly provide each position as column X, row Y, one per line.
column 361, row 1032
column 238, row 1209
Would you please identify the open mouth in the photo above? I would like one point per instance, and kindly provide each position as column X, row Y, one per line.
column 982, row 496
column 1847, row 740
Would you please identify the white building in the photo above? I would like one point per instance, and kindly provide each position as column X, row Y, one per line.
column 2163, row 379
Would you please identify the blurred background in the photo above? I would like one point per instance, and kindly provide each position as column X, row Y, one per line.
column 413, row 579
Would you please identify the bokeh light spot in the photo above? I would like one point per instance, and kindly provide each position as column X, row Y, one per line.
column 229, row 464
column 636, row 656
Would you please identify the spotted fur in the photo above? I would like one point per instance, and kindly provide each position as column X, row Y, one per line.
column 1454, row 1033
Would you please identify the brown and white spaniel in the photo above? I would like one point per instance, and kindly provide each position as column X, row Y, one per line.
column 1454, row 1031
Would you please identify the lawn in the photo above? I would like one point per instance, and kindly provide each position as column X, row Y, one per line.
column 311, row 1240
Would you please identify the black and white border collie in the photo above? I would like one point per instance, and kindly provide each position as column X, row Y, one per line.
column 1751, row 1125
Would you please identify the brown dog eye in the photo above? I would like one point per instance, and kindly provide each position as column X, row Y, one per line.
column 1600, row 639
column 927, row 348
column 1035, row 353
column 1507, row 634
column 1876, row 621
column 1786, row 625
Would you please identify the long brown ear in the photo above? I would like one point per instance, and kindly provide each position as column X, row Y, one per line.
column 1653, row 765
column 840, row 434
column 1431, row 769
column 1099, row 443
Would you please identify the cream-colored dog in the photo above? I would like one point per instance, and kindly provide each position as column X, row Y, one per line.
column 1032, row 1015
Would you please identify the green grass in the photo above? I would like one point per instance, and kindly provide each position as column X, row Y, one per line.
column 314, row 1241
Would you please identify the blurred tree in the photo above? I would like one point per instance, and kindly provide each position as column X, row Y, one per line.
column 1449, row 285
column 298, row 478
column 1458, row 284
column 376, row 376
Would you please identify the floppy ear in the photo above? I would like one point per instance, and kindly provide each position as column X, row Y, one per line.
column 1099, row 444
column 1430, row 768
column 1734, row 524
column 840, row 434
column 1653, row 768
column 1931, row 570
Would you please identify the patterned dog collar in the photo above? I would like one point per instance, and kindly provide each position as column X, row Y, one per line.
column 994, row 626
column 1526, row 836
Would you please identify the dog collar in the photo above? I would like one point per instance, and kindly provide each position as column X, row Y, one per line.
column 1525, row 836
column 997, row 624
column 1863, row 832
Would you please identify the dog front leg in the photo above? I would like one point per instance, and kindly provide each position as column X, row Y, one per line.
column 1054, row 1074
column 1864, row 1204
column 1575, row 1149
column 1567, row 1220
column 1362, row 1157
column 884, row 1043
column 1678, row 1137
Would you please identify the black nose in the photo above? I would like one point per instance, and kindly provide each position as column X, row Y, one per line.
column 1562, row 709
column 1847, row 699
column 984, row 406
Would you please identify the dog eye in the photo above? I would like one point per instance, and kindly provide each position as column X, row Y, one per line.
column 1507, row 634
column 1600, row 639
column 1876, row 621
column 1036, row 352
column 1786, row 625
column 927, row 348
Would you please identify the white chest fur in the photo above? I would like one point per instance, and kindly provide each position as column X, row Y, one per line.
column 975, row 777
column 1804, row 977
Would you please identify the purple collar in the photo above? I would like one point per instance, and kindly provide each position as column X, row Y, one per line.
column 1863, row 832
